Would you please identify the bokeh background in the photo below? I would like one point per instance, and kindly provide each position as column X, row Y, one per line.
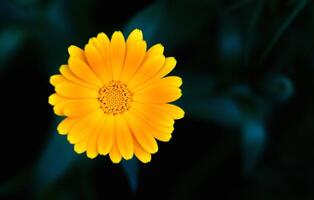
column 248, row 72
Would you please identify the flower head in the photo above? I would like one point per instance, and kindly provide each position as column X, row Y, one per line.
column 115, row 97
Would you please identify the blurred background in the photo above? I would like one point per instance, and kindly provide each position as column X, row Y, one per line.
column 248, row 72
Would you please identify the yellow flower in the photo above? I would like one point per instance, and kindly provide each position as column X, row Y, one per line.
column 115, row 97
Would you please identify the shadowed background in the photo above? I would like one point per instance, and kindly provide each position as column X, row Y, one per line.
column 248, row 78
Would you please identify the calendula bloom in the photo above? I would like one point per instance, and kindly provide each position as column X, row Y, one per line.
column 115, row 97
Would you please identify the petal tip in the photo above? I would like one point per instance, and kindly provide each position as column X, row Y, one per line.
column 72, row 48
column 91, row 155
column 78, row 150
column 117, row 34
column 51, row 99
column 115, row 160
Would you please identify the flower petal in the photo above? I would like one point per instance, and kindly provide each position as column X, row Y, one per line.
column 66, row 72
column 144, row 137
column 135, row 36
column 117, row 53
column 97, row 63
column 158, row 95
column 124, row 138
column 114, row 153
column 146, row 71
column 85, row 126
column 169, row 81
column 140, row 153
column 102, row 44
column 168, row 66
column 134, row 57
column 58, row 109
column 75, row 91
column 82, row 70
column 153, row 114
column 106, row 136
column 92, row 150
column 175, row 111
column 154, row 51
column 66, row 124
column 56, row 79
column 55, row 99
column 76, row 52
column 76, row 108
column 159, row 132
column 81, row 146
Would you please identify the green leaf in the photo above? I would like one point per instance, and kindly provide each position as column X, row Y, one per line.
column 281, row 30
column 253, row 141
column 230, row 42
column 13, row 185
column 220, row 110
column 279, row 87
column 148, row 20
column 236, row 5
column 201, row 170
column 55, row 161
column 10, row 39
column 131, row 168
column 252, row 30
column 172, row 24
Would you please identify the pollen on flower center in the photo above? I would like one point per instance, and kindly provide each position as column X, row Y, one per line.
column 114, row 98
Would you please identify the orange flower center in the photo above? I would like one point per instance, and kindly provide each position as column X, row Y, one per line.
column 114, row 98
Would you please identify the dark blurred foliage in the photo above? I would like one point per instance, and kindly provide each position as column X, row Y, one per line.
column 248, row 72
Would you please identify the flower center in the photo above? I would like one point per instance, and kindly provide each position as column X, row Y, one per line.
column 114, row 98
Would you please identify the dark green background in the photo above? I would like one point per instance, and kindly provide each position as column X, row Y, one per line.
column 248, row 73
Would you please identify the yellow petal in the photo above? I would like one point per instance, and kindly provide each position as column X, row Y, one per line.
column 106, row 135
column 66, row 124
column 134, row 57
column 158, row 95
column 159, row 132
column 124, row 138
column 56, row 99
column 102, row 43
column 75, row 91
column 146, row 71
column 175, row 111
column 56, row 79
column 76, row 108
column 66, row 72
column 58, row 109
column 153, row 114
column 168, row 66
column 154, row 51
column 169, row 81
column 97, row 63
column 83, row 71
column 117, row 53
column 143, row 136
column 81, row 146
column 141, row 154
column 135, row 36
column 92, row 150
column 85, row 126
column 114, row 153
column 76, row 52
